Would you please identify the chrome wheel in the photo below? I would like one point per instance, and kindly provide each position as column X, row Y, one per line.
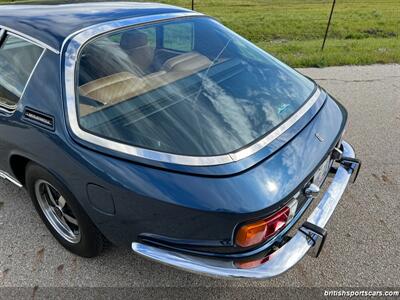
column 57, row 211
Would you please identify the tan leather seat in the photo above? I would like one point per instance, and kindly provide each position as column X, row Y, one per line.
column 111, row 89
column 122, row 86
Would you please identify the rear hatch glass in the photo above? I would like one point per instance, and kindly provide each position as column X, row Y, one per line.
column 189, row 87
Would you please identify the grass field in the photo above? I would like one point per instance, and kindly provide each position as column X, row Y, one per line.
column 362, row 31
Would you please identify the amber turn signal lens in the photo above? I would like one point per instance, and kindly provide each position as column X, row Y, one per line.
column 257, row 232
column 251, row 234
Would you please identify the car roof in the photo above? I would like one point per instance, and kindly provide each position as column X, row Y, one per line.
column 52, row 24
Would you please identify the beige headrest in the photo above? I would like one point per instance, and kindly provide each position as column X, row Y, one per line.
column 186, row 62
column 133, row 39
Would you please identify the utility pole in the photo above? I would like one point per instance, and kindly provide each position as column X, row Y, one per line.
column 329, row 24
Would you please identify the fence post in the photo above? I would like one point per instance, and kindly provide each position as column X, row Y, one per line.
column 328, row 25
column 192, row 4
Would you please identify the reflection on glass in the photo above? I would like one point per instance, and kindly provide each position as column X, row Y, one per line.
column 189, row 87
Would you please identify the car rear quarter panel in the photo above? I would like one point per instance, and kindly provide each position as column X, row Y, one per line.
column 155, row 200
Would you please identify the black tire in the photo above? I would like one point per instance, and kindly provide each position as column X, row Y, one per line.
column 90, row 242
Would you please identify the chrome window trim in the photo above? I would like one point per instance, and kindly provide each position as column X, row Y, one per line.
column 29, row 38
column 11, row 108
column 2, row 35
column 31, row 75
column 76, row 43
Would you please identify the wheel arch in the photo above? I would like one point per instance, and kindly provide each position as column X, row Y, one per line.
column 18, row 165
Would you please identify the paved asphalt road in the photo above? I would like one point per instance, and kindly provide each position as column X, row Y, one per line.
column 364, row 237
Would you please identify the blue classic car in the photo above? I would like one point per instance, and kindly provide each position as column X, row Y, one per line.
column 157, row 128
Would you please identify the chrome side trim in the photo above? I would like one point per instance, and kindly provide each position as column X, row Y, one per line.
column 71, row 57
column 279, row 261
column 7, row 176
column 29, row 39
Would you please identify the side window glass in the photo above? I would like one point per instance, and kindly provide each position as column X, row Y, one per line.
column 149, row 34
column 179, row 37
column 17, row 61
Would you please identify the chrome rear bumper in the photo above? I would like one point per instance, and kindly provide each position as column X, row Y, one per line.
column 279, row 261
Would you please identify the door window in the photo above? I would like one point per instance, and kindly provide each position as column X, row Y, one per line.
column 17, row 61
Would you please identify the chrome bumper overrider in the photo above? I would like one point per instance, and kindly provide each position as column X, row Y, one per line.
column 279, row 261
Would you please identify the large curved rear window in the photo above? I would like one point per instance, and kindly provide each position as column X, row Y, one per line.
column 188, row 86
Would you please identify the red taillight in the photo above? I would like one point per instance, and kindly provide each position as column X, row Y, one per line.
column 251, row 263
column 254, row 233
